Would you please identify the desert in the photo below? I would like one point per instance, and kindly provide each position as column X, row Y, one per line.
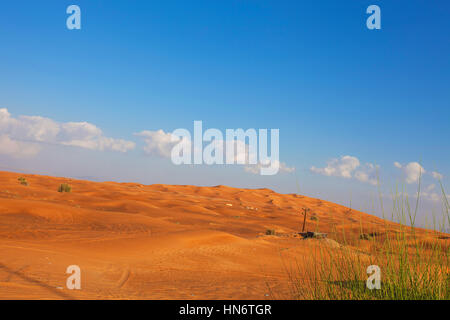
column 134, row 241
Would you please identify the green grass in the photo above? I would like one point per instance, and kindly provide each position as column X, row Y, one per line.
column 413, row 267
column 409, row 270
column 64, row 187
column 23, row 181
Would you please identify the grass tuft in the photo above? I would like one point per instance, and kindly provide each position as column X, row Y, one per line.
column 64, row 187
column 23, row 181
column 412, row 266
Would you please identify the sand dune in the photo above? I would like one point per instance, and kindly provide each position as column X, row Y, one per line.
column 157, row 242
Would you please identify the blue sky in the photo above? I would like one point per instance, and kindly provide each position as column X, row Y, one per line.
column 310, row 68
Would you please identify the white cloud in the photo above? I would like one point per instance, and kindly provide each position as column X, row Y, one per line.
column 428, row 194
column 285, row 168
column 35, row 129
column 17, row 149
column 342, row 167
column 80, row 130
column 368, row 174
column 349, row 167
column 241, row 154
column 253, row 169
column 437, row 175
column 431, row 196
column 412, row 171
column 102, row 144
column 256, row 169
column 159, row 142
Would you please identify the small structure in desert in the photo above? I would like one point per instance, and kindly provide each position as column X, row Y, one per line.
column 310, row 234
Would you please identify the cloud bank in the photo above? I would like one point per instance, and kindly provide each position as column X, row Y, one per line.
column 22, row 136
column 160, row 143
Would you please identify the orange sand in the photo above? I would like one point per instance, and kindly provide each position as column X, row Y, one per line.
column 134, row 241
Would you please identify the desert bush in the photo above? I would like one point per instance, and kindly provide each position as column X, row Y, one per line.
column 270, row 232
column 64, row 187
column 23, row 181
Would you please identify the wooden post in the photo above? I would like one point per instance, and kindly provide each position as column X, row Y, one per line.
column 305, row 210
